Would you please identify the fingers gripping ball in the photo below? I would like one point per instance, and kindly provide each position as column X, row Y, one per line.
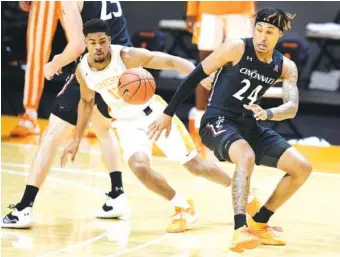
column 136, row 86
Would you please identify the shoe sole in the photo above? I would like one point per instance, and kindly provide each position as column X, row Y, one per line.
column 273, row 244
column 245, row 245
column 189, row 226
column 121, row 216
column 17, row 225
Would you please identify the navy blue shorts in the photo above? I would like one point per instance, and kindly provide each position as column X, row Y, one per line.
column 219, row 133
column 65, row 105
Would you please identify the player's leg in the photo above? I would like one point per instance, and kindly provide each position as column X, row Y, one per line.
column 238, row 26
column 43, row 19
column 22, row 216
column 298, row 169
column 137, row 153
column 116, row 204
column 272, row 150
column 224, row 138
column 61, row 122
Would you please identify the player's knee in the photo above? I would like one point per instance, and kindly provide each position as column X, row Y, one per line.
column 305, row 169
column 301, row 171
column 140, row 166
column 195, row 166
column 246, row 160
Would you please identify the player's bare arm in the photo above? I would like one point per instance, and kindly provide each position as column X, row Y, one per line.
column 135, row 57
column 73, row 26
column 290, row 93
column 85, row 108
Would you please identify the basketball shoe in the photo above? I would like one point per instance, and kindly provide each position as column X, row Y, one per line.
column 114, row 208
column 26, row 126
column 266, row 233
column 182, row 219
column 18, row 219
column 243, row 239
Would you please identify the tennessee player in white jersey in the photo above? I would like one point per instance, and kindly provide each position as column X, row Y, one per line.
column 132, row 119
column 99, row 71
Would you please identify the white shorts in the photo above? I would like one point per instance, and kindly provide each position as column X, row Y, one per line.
column 214, row 29
column 133, row 136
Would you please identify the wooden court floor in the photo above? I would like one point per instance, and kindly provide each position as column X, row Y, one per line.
column 66, row 226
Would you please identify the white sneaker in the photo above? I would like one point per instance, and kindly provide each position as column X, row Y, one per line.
column 18, row 219
column 115, row 208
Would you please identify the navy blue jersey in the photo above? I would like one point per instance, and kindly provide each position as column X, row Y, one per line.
column 111, row 12
column 243, row 83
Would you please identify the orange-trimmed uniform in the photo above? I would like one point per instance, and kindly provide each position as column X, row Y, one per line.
column 216, row 21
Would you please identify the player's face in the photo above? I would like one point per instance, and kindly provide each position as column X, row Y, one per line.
column 98, row 46
column 266, row 37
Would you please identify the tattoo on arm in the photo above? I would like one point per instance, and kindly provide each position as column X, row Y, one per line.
column 240, row 190
column 290, row 96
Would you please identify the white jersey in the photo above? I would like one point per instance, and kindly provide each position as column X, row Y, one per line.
column 105, row 82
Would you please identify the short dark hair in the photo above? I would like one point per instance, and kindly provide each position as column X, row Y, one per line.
column 95, row 26
column 277, row 17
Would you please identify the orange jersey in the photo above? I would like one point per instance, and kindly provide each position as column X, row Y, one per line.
column 195, row 8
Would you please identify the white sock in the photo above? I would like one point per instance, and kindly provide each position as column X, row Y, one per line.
column 32, row 113
column 198, row 118
column 179, row 201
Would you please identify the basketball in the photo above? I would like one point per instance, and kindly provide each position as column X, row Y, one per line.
column 136, row 86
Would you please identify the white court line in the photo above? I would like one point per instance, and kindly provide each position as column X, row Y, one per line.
column 74, row 171
column 75, row 246
column 133, row 249
column 223, row 164
column 91, row 240
column 61, row 181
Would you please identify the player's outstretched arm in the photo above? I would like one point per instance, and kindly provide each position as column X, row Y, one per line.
column 135, row 57
column 85, row 108
column 73, row 26
column 229, row 52
column 290, row 94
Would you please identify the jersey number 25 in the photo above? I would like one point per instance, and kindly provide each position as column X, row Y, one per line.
column 107, row 16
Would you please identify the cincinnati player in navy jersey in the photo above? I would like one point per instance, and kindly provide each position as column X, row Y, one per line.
column 246, row 68
column 64, row 113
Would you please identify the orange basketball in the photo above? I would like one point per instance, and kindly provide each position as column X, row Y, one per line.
column 136, row 86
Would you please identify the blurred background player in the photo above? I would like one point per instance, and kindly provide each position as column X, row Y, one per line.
column 211, row 23
column 42, row 24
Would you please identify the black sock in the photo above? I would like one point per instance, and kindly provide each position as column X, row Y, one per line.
column 116, row 184
column 240, row 221
column 263, row 215
column 28, row 197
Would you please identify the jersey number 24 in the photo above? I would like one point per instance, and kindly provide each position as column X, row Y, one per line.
column 252, row 96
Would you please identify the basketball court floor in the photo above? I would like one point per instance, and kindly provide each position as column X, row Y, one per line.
column 66, row 226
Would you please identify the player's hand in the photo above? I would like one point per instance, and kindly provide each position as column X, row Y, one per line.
column 25, row 5
column 50, row 69
column 190, row 22
column 259, row 113
column 71, row 149
column 156, row 128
